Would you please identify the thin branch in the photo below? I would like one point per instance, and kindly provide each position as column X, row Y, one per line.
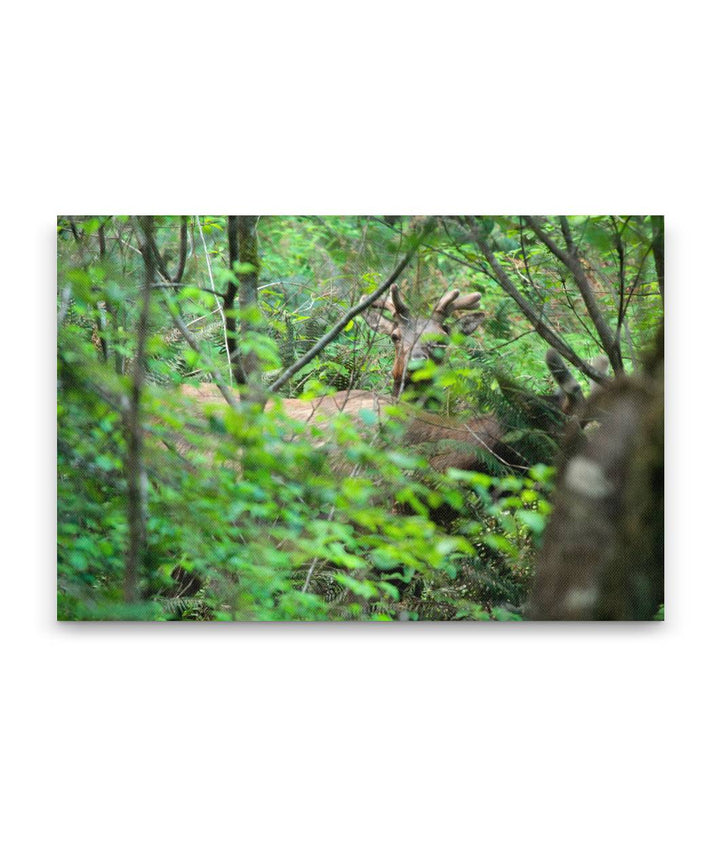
column 314, row 562
column 160, row 262
column 158, row 259
column 461, row 261
column 572, row 262
column 625, row 326
column 364, row 304
column 621, row 272
column 633, row 289
column 547, row 333
column 217, row 299
column 658, row 247
column 524, row 256
column 171, row 286
column 510, row 341
column 194, row 344
column 127, row 243
column 183, row 249
column 202, row 318
column 571, row 307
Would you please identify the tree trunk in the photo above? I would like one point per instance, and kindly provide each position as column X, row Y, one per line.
column 135, row 467
column 245, row 264
column 602, row 555
column 658, row 247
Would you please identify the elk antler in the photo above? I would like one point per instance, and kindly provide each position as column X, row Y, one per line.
column 449, row 302
column 452, row 302
column 467, row 301
column 394, row 303
column 445, row 303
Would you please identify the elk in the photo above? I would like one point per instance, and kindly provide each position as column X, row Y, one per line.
column 417, row 338
column 568, row 397
column 452, row 442
column 446, row 442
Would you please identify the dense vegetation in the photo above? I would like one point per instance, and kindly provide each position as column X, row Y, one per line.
column 177, row 505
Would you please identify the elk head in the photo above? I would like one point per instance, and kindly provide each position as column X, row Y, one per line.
column 420, row 338
column 569, row 396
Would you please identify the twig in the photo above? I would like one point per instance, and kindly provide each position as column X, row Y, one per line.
column 547, row 333
column 571, row 307
column 345, row 320
column 461, row 261
column 201, row 318
column 217, row 299
column 658, row 247
column 192, row 341
column 183, row 249
column 172, row 286
column 572, row 262
column 330, row 516
column 510, row 341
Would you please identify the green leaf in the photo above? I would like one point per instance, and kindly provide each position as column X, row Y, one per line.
column 534, row 521
column 362, row 588
column 243, row 268
column 498, row 542
column 542, row 473
column 78, row 561
column 384, row 559
column 403, row 460
column 500, row 614
column 369, row 417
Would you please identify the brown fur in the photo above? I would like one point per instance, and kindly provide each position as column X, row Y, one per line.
column 418, row 338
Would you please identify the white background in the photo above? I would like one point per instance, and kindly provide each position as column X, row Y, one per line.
column 359, row 739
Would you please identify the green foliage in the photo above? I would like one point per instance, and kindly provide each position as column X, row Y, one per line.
column 253, row 515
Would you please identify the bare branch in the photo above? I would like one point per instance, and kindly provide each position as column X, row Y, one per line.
column 364, row 304
column 547, row 333
column 158, row 259
column 572, row 262
column 192, row 341
column 183, row 249
column 658, row 247
column 217, row 298
column 171, row 286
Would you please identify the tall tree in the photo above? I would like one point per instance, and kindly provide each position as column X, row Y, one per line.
column 241, row 294
column 135, row 466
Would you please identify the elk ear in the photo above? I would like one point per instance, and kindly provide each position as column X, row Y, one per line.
column 469, row 323
column 601, row 364
column 569, row 387
column 377, row 322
